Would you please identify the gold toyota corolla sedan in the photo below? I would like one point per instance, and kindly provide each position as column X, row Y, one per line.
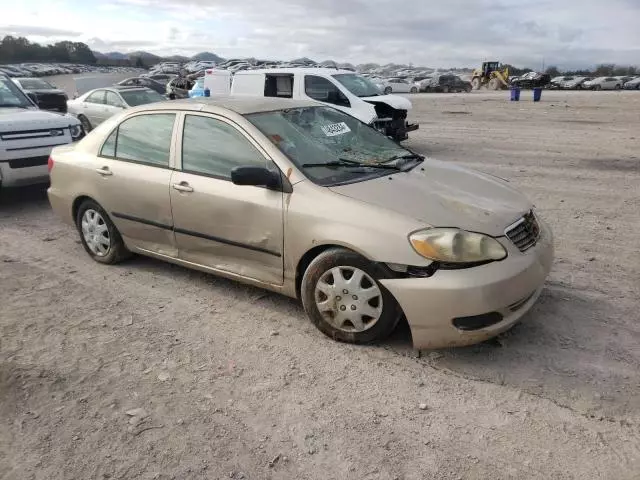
column 305, row 200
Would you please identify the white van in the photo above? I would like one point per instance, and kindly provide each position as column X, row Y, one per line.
column 342, row 89
column 27, row 136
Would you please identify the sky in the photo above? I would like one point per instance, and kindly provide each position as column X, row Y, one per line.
column 434, row 33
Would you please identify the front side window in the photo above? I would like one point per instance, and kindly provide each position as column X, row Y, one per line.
column 323, row 90
column 96, row 97
column 212, row 147
column 112, row 100
column 319, row 135
column 142, row 139
column 358, row 85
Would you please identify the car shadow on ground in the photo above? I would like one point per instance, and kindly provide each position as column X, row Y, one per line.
column 16, row 198
column 558, row 351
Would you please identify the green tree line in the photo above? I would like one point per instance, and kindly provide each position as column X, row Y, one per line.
column 19, row 49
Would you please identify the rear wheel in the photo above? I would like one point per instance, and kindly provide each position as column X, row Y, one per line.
column 597, row 87
column 414, row 90
column 99, row 236
column 344, row 300
column 86, row 124
column 618, row 87
column 388, row 90
column 445, row 89
column 475, row 83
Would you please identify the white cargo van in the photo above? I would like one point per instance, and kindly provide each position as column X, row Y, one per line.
column 27, row 136
column 342, row 89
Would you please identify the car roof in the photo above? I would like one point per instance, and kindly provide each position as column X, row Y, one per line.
column 302, row 70
column 239, row 105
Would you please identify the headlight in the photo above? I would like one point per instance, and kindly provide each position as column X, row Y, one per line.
column 452, row 245
column 76, row 131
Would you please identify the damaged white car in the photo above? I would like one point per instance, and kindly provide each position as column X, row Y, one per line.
column 342, row 89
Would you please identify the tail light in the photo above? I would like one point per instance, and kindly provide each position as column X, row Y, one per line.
column 50, row 163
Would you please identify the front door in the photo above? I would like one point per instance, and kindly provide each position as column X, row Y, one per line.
column 237, row 229
column 132, row 175
column 93, row 107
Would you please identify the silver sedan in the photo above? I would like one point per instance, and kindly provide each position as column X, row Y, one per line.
column 96, row 106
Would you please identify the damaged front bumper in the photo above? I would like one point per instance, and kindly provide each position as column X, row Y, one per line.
column 397, row 129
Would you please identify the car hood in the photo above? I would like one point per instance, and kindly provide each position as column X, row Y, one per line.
column 395, row 101
column 444, row 195
column 17, row 119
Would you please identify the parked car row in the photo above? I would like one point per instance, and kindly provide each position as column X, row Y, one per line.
column 23, row 70
column 598, row 83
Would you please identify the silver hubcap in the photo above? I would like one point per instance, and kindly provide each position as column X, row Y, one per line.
column 95, row 233
column 349, row 299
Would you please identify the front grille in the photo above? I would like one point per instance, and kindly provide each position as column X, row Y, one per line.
column 524, row 233
column 31, row 134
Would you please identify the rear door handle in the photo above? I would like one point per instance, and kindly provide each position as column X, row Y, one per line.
column 183, row 187
column 104, row 171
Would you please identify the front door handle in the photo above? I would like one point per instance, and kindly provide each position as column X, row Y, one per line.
column 183, row 187
column 104, row 171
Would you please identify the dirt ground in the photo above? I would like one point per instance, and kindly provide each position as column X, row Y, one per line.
column 225, row 381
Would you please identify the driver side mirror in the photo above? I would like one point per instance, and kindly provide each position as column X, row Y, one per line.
column 256, row 176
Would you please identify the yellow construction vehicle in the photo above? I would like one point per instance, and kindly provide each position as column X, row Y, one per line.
column 492, row 75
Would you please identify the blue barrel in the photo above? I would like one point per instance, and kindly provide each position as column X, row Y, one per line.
column 515, row 94
column 207, row 92
column 537, row 94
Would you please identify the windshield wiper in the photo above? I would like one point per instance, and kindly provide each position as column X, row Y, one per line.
column 343, row 162
column 407, row 156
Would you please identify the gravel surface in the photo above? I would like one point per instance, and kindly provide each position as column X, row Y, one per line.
column 148, row 370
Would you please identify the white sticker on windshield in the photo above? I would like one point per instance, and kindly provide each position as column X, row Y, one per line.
column 336, row 129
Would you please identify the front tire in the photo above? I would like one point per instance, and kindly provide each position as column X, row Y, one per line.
column 99, row 236
column 86, row 124
column 343, row 298
column 388, row 90
column 414, row 90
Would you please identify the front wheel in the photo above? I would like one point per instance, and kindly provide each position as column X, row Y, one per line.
column 414, row 90
column 86, row 124
column 388, row 90
column 475, row 84
column 343, row 298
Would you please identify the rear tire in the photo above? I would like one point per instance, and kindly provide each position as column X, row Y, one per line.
column 414, row 90
column 343, row 298
column 99, row 236
column 86, row 124
column 388, row 90
column 597, row 88
column 476, row 84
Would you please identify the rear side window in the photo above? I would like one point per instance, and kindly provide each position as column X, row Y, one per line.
column 278, row 86
column 142, row 139
column 214, row 148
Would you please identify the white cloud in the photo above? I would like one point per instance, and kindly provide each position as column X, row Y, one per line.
column 435, row 33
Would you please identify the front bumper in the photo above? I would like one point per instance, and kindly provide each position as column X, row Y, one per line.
column 509, row 288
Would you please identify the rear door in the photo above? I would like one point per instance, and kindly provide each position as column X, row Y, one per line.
column 132, row 175
column 237, row 229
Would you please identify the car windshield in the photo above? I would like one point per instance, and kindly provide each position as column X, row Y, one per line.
column 12, row 96
column 35, row 84
column 315, row 136
column 133, row 98
column 358, row 85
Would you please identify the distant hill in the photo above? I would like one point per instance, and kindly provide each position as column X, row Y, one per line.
column 207, row 57
column 151, row 59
